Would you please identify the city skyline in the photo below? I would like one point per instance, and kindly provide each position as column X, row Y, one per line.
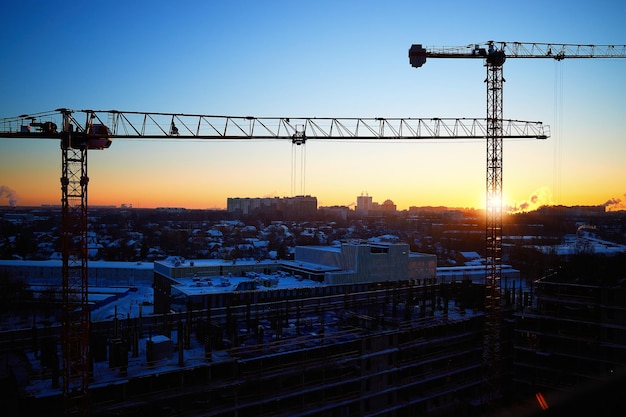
column 323, row 60
column 536, row 202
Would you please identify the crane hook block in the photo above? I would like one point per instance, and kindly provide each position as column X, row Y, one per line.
column 417, row 55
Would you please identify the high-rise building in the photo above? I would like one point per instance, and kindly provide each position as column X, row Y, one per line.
column 365, row 206
column 363, row 203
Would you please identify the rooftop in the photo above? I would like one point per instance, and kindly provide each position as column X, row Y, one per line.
column 251, row 281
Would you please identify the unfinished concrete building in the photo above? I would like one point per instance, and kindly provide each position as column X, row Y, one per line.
column 278, row 340
column 391, row 350
column 571, row 342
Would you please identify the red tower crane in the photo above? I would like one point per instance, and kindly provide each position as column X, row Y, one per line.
column 494, row 54
column 101, row 127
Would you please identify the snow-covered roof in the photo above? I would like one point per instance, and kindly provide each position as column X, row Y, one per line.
column 223, row 284
column 470, row 255
column 573, row 245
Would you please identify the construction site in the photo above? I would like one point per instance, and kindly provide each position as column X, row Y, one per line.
column 370, row 337
column 259, row 340
column 292, row 348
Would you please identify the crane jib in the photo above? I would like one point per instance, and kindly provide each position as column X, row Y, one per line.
column 419, row 53
column 134, row 125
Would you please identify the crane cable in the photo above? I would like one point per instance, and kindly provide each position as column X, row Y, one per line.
column 558, row 134
column 295, row 169
column 302, row 168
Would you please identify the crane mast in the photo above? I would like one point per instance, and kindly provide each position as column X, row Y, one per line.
column 493, row 225
column 77, row 139
column 494, row 55
column 75, row 314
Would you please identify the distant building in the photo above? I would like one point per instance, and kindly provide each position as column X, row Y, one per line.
column 292, row 208
column 18, row 218
column 365, row 206
column 388, row 205
column 337, row 212
column 571, row 211
column 363, row 203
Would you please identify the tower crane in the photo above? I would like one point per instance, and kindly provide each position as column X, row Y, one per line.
column 100, row 128
column 494, row 55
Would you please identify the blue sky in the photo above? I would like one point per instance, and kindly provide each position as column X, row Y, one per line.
column 313, row 59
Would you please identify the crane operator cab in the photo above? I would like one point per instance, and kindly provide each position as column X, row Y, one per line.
column 97, row 136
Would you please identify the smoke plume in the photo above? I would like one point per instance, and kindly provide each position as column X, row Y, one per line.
column 614, row 204
column 9, row 194
column 611, row 202
column 539, row 198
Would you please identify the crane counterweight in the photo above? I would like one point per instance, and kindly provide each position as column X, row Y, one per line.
column 417, row 56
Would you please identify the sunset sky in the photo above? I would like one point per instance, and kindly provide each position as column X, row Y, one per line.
column 314, row 59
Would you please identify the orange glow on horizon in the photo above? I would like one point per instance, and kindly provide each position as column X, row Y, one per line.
column 191, row 177
column 151, row 198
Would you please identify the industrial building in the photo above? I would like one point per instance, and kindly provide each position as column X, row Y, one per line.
column 330, row 266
